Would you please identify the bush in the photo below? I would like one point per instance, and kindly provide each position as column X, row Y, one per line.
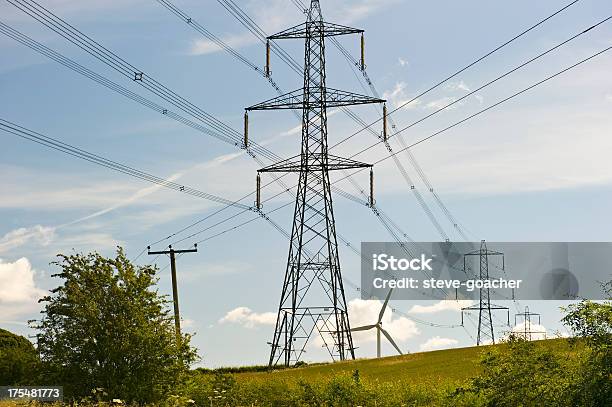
column 18, row 359
column 521, row 373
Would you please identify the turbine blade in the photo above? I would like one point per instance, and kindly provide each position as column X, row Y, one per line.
column 362, row 328
column 391, row 340
column 384, row 307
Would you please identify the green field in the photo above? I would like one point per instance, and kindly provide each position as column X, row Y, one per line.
column 419, row 379
column 450, row 366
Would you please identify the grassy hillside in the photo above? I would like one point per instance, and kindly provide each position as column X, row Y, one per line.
column 449, row 366
column 420, row 379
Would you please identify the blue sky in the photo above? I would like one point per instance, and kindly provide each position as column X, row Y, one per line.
column 535, row 169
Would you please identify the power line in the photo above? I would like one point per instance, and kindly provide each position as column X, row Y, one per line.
column 487, row 84
column 70, row 33
column 456, row 224
column 75, row 66
column 58, row 145
column 71, row 64
column 496, row 104
column 30, row 135
column 258, row 32
column 475, row 62
column 478, row 113
column 261, row 35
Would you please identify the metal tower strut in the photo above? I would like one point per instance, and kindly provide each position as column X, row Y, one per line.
column 486, row 333
column 312, row 299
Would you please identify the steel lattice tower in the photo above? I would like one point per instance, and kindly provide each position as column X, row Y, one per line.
column 526, row 316
column 312, row 299
column 486, row 333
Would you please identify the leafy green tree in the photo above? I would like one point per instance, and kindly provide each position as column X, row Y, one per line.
column 591, row 323
column 18, row 359
column 106, row 326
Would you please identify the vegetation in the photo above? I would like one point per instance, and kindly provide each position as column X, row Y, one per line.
column 107, row 334
column 106, row 327
column 18, row 359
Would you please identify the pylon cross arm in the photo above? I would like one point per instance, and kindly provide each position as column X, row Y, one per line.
column 307, row 29
column 314, row 162
column 312, row 98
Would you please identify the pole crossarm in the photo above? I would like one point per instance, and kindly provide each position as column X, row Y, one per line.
column 173, row 252
column 476, row 308
column 484, row 252
column 316, row 162
column 298, row 99
column 310, row 28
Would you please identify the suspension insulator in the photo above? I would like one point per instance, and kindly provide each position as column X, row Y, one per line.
column 258, row 192
column 385, row 134
column 268, row 59
column 246, row 129
column 372, row 187
column 363, row 66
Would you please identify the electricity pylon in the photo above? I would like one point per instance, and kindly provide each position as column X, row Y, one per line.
column 486, row 333
column 312, row 298
column 527, row 332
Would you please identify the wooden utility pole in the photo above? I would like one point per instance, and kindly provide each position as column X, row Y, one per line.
column 172, row 253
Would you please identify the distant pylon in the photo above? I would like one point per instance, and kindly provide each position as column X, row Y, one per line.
column 527, row 332
column 486, row 333
column 312, row 299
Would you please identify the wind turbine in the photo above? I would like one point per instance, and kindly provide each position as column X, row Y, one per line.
column 379, row 328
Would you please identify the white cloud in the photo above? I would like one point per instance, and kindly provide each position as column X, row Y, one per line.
column 136, row 196
column 187, row 323
column 479, row 98
column 365, row 312
column 42, row 235
column 538, row 331
column 458, row 86
column 442, row 102
column 203, row 47
column 437, row 343
column 403, row 62
column 398, row 96
column 440, row 307
column 246, row 317
column 351, row 11
column 609, row 97
column 273, row 16
column 17, row 282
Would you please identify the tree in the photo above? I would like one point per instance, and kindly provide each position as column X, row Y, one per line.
column 591, row 323
column 107, row 327
column 18, row 359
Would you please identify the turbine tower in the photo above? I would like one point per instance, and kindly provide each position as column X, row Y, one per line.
column 312, row 299
column 380, row 329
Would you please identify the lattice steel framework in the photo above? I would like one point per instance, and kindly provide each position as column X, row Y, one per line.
column 527, row 332
column 486, row 332
column 312, row 299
